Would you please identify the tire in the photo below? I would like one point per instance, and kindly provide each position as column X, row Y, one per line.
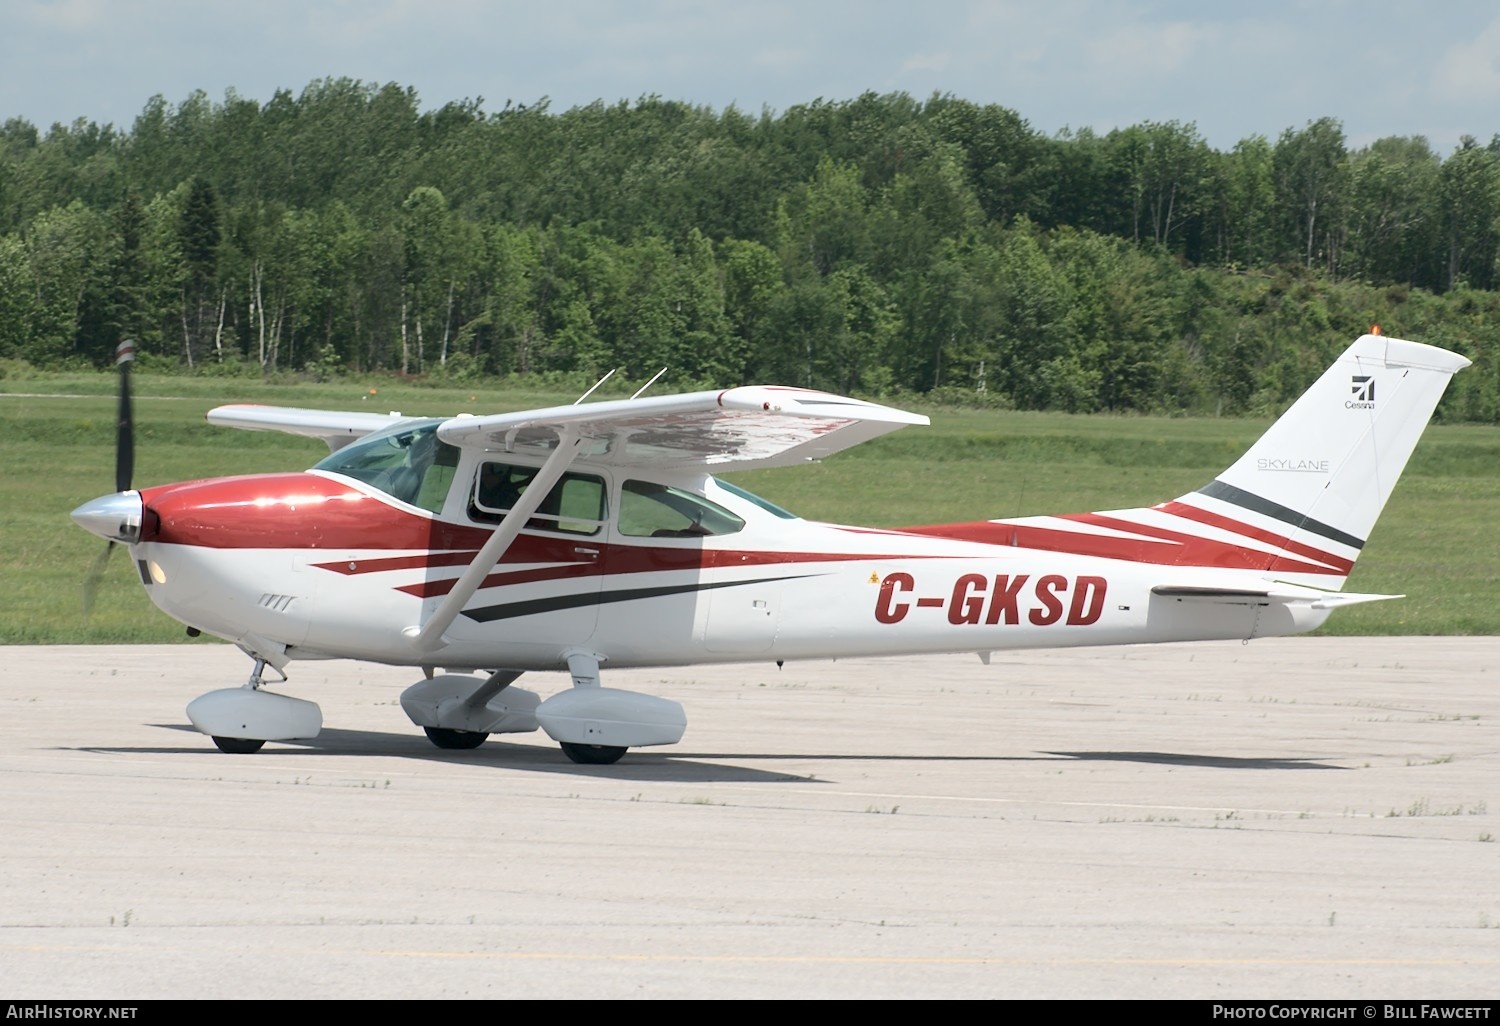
column 238, row 745
column 592, row 755
column 455, row 740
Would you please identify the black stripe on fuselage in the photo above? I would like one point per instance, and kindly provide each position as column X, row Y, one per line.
column 1249, row 500
column 553, row 603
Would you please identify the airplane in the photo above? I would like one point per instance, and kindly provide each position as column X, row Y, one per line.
column 478, row 548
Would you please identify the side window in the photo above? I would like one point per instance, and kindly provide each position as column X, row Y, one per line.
column 650, row 510
column 574, row 506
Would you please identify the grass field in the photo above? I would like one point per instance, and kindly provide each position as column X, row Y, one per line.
column 1435, row 542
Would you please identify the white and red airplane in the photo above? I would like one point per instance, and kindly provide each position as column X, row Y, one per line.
column 596, row 535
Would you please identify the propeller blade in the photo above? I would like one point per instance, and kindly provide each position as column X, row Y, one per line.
column 124, row 469
column 95, row 575
column 125, row 428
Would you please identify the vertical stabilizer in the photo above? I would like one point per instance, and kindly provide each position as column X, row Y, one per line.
column 1312, row 487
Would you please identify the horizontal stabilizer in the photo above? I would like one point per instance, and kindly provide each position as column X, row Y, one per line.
column 1309, row 597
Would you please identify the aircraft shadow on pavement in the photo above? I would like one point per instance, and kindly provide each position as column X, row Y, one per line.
column 674, row 764
column 639, row 764
column 1201, row 761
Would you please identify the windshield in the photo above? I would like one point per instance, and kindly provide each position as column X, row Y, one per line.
column 408, row 463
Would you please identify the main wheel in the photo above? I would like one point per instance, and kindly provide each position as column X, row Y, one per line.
column 238, row 745
column 447, row 737
column 592, row 755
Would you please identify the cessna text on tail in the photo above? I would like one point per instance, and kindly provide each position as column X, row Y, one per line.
column 596, row 535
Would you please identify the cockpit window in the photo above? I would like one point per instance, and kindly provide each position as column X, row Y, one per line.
column 651, row 510
column 574, row 506
column 410, row 464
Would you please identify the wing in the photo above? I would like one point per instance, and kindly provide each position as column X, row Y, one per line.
column 333, row 427
column 753, row 426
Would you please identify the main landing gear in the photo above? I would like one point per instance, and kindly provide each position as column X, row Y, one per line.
column 446, row 737
column 593, row 755
column 239, row 745
column 593, row 724
column 458, row 711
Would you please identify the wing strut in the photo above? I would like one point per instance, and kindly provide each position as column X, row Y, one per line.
column 430, row 637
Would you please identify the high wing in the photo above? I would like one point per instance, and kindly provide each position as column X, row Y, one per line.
column 335, row 428
column 751, row 426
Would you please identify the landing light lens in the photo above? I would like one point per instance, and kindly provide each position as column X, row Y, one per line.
column 157, row 573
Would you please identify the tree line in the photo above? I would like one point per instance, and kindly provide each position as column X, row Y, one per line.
column 879, row 245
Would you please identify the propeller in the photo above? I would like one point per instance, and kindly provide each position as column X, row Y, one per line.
column 125, row 423
column 124, row 471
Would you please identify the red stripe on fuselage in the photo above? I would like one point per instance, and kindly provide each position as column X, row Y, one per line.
column 1203, row 516
column 417, row 562
column 310, row 512
column 1255, row 559
column 619, row 560
column 1159, row 547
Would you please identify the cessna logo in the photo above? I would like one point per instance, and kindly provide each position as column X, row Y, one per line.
column 1363, row 387
column 975, row 598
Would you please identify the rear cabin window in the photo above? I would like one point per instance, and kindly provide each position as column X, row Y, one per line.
column 651, row 510
column 574, row 506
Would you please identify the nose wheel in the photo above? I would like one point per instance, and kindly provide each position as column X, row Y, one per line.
column 241, row 720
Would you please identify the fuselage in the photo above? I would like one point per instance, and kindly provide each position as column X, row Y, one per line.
column 328, row 566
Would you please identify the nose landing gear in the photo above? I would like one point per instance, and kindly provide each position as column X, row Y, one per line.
column 241, row 720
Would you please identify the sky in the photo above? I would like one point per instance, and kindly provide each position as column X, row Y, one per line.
column 1381, row 68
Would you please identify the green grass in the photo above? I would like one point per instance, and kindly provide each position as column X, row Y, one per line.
column 1434, row 543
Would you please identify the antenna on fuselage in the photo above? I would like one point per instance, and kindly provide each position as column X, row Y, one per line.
column 649, row 383
column 596, row 385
